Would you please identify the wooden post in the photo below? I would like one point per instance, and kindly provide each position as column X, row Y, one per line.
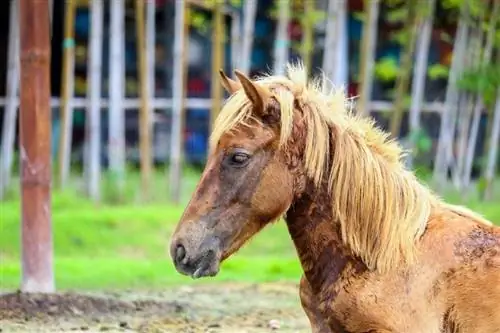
column 144, row 120
column 116, row 90
column 178, row 85
column 35, row 128
column 94, row 98
column 67, row 90
column 12, row 88
column 217, row 60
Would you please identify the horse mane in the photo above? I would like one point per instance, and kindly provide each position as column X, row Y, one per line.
column 381, row 206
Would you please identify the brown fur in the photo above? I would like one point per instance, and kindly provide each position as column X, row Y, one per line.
column 380, row 252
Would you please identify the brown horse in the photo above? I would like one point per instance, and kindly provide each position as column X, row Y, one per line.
column 380, row 252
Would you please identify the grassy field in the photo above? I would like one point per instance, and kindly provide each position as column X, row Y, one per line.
column 116, row 246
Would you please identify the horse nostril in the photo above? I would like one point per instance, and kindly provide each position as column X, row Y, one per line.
column 180, row 253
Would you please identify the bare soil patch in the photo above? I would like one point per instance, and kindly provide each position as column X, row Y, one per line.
column 220, row 308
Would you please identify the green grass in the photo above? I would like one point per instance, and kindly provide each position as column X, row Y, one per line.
column 126, row 245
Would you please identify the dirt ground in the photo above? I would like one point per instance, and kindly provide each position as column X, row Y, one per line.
column 217, row 308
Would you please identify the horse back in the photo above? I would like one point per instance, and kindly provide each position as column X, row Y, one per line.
column 470, row 261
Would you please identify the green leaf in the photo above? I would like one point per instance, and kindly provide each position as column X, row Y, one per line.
column 438, row 71
column 397, row 15
column 386, row 69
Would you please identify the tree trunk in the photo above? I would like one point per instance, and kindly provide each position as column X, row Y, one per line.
column 486, row 59
column 281, row 44
column 10, row 111
column 35, row 142
column 403, row 78
column 420, row 74
column 367, row 55
column 94, row 100
column 116, row 89
column 249, row 12
column 447, row 126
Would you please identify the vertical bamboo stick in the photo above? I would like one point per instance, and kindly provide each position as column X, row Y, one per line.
column 235, row 39
column 150, row 47
column 249, row 13
column 94, row 97
column 144, row 120
column 67, row 90
column 35, row 128
column 282, row 42
column 308, row 35
column 217, row 60
column 116, row 88
column 10, row 113
column 178, row 85
column 367, row 55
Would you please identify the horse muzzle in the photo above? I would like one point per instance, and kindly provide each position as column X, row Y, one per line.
column 200, row 262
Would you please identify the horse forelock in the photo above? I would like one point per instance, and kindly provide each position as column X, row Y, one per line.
column 381, row 206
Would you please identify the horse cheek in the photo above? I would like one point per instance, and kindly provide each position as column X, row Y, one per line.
column 274, row 194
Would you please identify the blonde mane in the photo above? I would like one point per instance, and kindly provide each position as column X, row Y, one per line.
column 381, row 207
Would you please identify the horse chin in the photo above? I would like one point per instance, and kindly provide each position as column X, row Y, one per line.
column 209, row 270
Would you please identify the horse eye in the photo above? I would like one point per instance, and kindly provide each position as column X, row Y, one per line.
column 238, row 158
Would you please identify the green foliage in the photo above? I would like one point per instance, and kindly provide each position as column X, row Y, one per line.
column 438, row 71
column 483, row 81
column 422, row 141
column 200, row 22
column 386, row 69
column 397, row 15
column 236, row 3
column 451, row 4
column 401, row 36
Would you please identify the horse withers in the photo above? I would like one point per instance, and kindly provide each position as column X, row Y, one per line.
column 380, row 252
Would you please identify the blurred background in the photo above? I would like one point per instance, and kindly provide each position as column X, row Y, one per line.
column 135, row 88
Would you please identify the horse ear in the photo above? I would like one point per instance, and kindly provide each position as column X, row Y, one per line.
column 229, row 84
column 256, row 93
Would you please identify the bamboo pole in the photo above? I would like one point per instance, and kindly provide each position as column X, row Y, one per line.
column 332, row 40
column 12, row 89
column 144, row 119
column 67, row 90
column 308, row 35
column 367, row 55
column 116, row 88
column 150, row 47
column 35, row 128
column 403, row 78
column 178, row 85
column 249, row 13
column 94, row 99
column 419, row 74
column 235, row 39
column 282, row 42
column 217, row 61
column 448, row 115
column 492, row 159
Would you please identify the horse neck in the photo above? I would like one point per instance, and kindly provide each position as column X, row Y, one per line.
column 318, row 241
